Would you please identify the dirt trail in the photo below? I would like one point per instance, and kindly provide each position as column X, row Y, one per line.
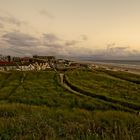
column 67, row 87
column 98, row 97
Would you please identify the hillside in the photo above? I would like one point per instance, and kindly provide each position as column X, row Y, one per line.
column 35, row 105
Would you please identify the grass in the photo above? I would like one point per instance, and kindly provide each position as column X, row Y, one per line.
column 34, row 106
column 134, row 78
column 104, row 84
column 19, row 121
column 41, row 88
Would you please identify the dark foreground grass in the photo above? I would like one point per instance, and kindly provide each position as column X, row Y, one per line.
column 34, row 106
column 19, row 121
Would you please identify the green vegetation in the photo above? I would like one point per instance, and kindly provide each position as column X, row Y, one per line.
column 33, row 105
column 100, row 83
column 19, row 121
column 123, row 75
column 41, row 88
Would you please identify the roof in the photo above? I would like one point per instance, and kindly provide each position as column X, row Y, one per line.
column 5, row 63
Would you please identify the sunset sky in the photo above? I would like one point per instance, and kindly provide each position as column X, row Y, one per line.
column 102, row 29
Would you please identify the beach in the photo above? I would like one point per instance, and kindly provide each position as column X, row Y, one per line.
column 119, row 66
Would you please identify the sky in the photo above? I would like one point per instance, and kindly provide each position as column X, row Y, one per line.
column 98, row 29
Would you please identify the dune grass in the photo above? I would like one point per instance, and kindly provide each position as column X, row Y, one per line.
column 134, row 78
column 104, row 84
column 41, row 88
column 20, row 121
column 34, row 106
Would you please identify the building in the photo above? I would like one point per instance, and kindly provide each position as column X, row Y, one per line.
column 25, row 59
column 44, row 57
column 16, row 59
column 6, row 63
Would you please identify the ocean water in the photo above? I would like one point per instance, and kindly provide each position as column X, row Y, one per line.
column 124, row 63
column 128, row 62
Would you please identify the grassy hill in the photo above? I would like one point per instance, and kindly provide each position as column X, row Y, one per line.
column 107, row 84
column 33, row 105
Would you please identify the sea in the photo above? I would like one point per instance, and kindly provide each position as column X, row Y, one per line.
column 125, row 63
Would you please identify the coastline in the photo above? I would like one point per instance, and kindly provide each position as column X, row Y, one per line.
column 135, row 69
column 119, row 67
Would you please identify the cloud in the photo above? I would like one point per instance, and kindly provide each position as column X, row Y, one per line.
column 71, row 43
column 76, row 42
column 46, row 14
column 1, row 25
column 11, row 20
column 84, row 37
column 113, row 50
column 52, row 45
column 116, row 52
column 19, row 39
column 57, row 46
column 18, row 43
column 50, row 38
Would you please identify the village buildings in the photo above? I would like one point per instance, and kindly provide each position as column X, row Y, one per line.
column 38, row 63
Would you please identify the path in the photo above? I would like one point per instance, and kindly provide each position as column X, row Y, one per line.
column 98, row 97
column 68, row 88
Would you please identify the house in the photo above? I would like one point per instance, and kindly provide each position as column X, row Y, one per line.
column 25, row 59
column 44, row 57
column 6, row 63
column 74, row 64
column 16, row 59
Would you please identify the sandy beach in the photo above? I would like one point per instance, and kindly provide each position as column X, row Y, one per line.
column 120, row 67
column 115, row 67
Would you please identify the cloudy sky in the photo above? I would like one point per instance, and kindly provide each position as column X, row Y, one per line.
column 99, row 29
